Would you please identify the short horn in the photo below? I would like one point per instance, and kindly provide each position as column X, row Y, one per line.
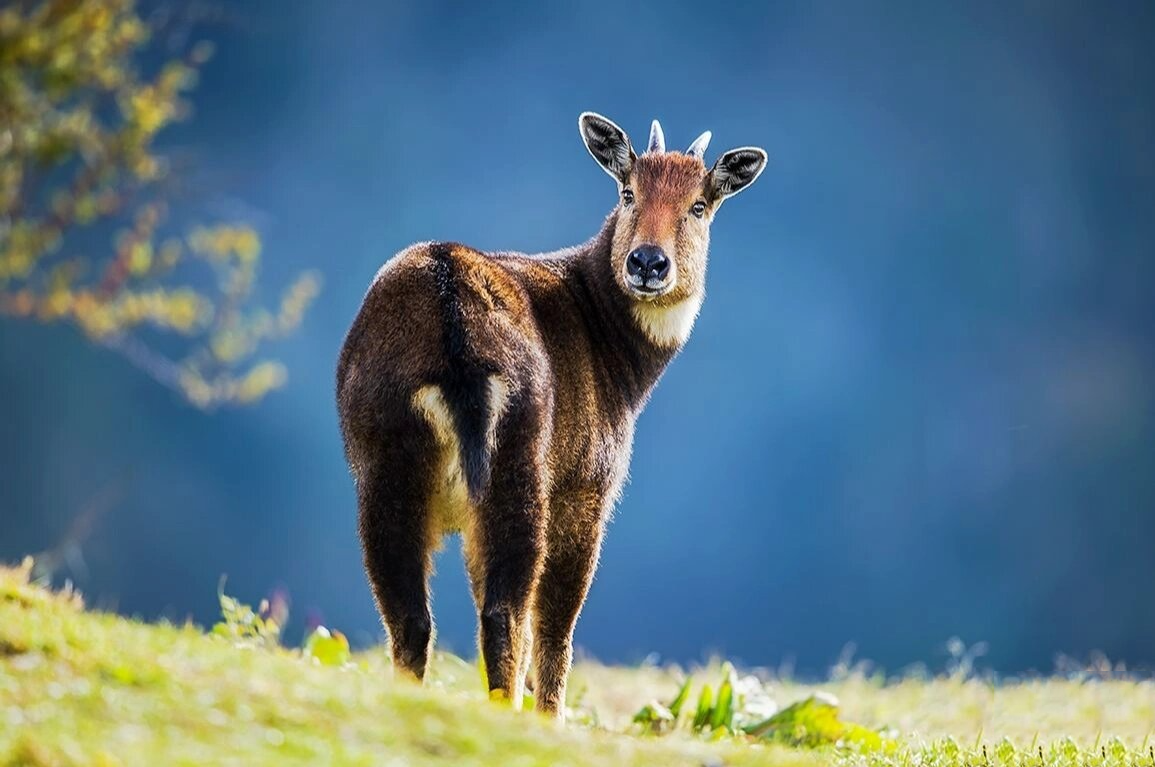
column 698, row 148
column 657, row 138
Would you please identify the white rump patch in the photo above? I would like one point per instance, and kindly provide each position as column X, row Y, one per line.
column 498, row 399
column 428, row 402
column 449, row 501
column 668, row 325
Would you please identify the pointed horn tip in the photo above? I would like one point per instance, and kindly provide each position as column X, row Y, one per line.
column 657, row 141
column 698, row 148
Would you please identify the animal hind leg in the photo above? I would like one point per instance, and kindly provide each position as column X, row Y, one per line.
column 522, row 681
column 507, row 555
column 474, row 560
column 393, row 496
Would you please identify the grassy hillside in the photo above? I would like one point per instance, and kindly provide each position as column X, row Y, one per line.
column 80, row 687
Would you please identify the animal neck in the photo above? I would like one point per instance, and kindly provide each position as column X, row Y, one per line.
column 623, row 346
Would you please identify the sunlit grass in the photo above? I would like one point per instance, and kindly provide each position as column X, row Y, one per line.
column 79, row 687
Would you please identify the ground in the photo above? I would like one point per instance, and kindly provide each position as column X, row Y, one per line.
column 79, row 687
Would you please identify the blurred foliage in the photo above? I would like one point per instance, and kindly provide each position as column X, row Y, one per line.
column 261, row 627
column 329, row 648
column 79, row 117
column 741, row 708
column 244, row 626
column 815, row 722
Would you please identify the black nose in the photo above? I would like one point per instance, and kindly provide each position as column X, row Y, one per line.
column 648, row 261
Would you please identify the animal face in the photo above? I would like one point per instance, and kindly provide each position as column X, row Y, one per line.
column 667, row 203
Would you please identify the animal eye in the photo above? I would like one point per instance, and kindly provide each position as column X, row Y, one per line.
column 698, row 209
column 628, row 196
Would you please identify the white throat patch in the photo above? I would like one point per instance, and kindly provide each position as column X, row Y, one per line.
column 668, row 326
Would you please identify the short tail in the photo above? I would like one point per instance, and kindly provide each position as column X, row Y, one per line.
column 475, row 410
column 473, row 393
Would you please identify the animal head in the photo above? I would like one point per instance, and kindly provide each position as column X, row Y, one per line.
column 667, row 203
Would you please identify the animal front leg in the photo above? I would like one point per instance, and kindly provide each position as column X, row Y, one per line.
column 561, row 592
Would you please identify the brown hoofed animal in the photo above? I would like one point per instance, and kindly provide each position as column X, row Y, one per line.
column 495, row 394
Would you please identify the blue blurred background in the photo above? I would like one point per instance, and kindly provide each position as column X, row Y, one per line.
column 918, row 402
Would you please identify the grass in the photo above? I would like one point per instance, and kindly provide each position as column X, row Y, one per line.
column 87, row 688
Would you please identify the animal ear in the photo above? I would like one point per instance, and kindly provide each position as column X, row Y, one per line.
column 736, row 170
column 608, row 144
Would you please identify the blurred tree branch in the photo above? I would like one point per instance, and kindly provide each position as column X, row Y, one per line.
column 78, row 168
